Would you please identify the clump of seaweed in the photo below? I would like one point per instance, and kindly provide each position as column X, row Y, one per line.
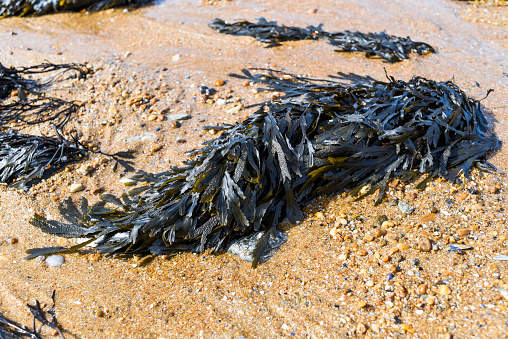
column 40, row 7
column 10, row 329
column 388, row 47
column 321, row 137
column 26, row 158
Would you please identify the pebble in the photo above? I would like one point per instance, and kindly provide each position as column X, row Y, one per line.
column 434, row 209
column 425, row 245
column 99, row 313
column 219, row 82
column 493, row 190
column 244, row 247
column 408, row 328
column 55, row 260
column 405, row 208
column 179, row 116
column 463, row 232
column 361, row 328
column 379, row 232
column 361, row 304
column 368, row 237
column 221, row 102
column 444, row 290
column 156, row 148
column 152, row 117
column 97, row 190
column 14, row 240
column 181, row 141
column 422, row 289
column 387, row 224
column 76, row 188
column 462, row 197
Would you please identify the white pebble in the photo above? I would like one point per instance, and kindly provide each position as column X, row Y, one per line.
column 55, row 260
column 76, row 188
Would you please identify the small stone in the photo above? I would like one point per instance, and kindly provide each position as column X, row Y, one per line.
column 99, row 313
column 181, row 141
column 174, row 124
column 462, row 197
column 361, row 304
column 333, row 233
column 362, row 253
column 14, row 241
column 156, row 148
column 319, row 215
column 434, row 209
column 393, row 250
column 152, row 117
column 313, row 11
column 221, row 102
column 387, row 224
column 425, row 245
column 97, row 190
column 369, row 283
column 76, row 188
column 368, row 237
column 219, row 82
column 444, row 290
column 422, row 289
column 235, row 109
column 408, row 328
column 402, row 246
column 463, row 232
column 179, row 116
column 55, row 260
column 361, row 328
column 381, row 219
column 175, row 57
column 405, row 208
column 379, row 232
column 493, row 190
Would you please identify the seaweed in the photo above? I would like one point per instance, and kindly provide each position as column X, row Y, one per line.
column 389, row 47
column 10, row 329
column 40, row 7
column 23, row 101
column 26, row 158
column 321, row 137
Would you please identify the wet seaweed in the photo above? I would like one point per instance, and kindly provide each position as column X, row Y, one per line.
column 389, row 47
column 24, row 159
column 10, row 329
column 321, row 137
column 40, row 7
column 23, row 101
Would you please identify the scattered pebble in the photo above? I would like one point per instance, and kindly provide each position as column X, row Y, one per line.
column 97, row 190
column 128, row 182
column 361, row 328
column 55, row 260
column 425, row 245
column 179, row 116
column 219, row 82
column 156, row 148
column 405, row 208
column 14, row 241
column 444, row 290
column 76, row 188
column 181, row 141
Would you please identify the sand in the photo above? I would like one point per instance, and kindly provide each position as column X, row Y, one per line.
column 335, row 276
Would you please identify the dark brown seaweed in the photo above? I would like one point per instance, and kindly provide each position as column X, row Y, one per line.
column 320, row 137
column 10, row 329
column 30, row 105
column 388, row 47
column 40, row 7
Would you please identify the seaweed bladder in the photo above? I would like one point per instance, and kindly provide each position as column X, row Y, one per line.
column 388, row 47
column 321, row 137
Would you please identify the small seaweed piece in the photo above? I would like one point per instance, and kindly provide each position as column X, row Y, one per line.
column 38, row 108
column 388, row 47
column 321, row 137
column 264, row 31
column 10, row 329
column 40, row 7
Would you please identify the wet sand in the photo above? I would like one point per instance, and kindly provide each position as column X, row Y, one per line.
column 316, row 286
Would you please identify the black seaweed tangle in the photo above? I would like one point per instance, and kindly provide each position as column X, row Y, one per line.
column 388, row 47
column 30, row 105
column 319, row 138
column 40, row 7
column 24, row 159
column 10, row 329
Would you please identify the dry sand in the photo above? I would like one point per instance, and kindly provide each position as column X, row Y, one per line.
column 355, row 282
